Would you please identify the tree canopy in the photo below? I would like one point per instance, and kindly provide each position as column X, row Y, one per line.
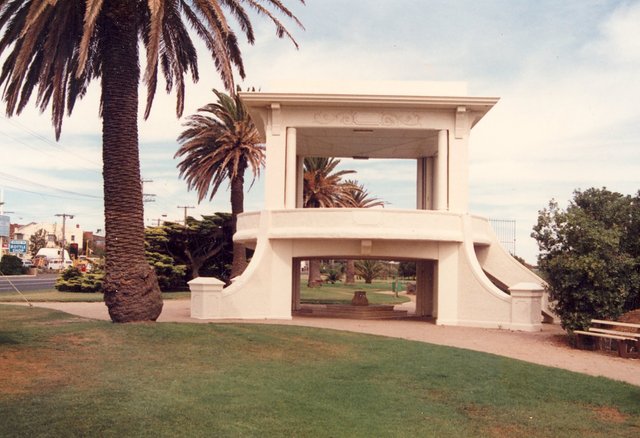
column 180, row 253
column 590, row 255
column 38, row 240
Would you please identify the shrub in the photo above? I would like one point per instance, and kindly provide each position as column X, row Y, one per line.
column 11, row 265
column 589, row 256
column 74, row 280
column 333, row 276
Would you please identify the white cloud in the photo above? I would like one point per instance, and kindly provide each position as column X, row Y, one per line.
column 566, row 73
column 620, row 42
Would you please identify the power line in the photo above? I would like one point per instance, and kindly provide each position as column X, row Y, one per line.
column 20, row 180
column 50, row 195
column 56, row 145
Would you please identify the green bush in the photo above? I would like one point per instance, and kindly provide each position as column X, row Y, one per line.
column 11, row 265
column 590, row 256
column 333, row 276
column 74, row 280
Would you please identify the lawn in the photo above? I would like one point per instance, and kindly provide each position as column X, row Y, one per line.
column 340, row 293
column 55, row 295
column 64, row 376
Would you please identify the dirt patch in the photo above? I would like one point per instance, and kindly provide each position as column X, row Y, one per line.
column 300, row 349
column 66, row 359
column 505, row 431
column 24, row 372
column 60, row 322
column 499, row 430
column 607, row 414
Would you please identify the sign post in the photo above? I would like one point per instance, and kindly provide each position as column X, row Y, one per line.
column 5, row 224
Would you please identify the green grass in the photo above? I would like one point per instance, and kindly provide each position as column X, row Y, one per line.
column 65, row 376
column 340, row 293
column 55, row 295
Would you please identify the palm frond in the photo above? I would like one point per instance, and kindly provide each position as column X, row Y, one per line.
column 91, row 13
column 218, row 144
column 54, row 46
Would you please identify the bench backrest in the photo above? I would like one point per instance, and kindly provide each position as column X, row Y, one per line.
column 615, row 323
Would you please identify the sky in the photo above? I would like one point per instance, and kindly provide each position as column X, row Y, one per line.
column 566, row 73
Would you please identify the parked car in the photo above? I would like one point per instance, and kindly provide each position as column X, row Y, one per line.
column 57, row 265
column 27, row 263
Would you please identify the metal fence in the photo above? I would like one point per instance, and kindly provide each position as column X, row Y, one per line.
column 505, row 229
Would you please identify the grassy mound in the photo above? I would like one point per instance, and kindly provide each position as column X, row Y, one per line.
column 65, row 376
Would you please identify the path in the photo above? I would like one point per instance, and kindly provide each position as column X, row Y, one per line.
column 545, row 348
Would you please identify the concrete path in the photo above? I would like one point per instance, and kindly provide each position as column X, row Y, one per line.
column 547, row 347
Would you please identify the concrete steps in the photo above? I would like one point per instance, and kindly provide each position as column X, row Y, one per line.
column 378, row 311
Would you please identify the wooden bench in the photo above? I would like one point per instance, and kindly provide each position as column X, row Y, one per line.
column 626, row 340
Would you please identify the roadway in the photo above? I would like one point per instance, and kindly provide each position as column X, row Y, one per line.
column 27, row 282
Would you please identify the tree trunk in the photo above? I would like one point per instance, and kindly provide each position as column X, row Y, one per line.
column 350, row 277
column 194, row 262
column 315, row 278
column 131, row 289
column 239, row 263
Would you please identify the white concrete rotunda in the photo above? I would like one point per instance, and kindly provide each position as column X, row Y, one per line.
column 455, row 252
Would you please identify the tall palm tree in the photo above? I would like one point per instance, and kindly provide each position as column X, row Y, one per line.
column 360, row 198
column 323, row 187
column 59, row 46
column 219, row 147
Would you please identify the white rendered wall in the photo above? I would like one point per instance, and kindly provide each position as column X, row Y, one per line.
column 465, row 296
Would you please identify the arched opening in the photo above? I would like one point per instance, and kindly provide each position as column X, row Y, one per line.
column 382, row 288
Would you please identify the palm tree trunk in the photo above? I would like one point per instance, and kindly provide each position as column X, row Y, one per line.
column 239, row 263
column 350, row 272
column 131, row 289
column 315, row 276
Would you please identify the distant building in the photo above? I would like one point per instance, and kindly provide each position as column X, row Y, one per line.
column 94, row 244
column 73, row 233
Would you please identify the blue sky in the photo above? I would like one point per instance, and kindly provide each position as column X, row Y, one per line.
column 567, row 74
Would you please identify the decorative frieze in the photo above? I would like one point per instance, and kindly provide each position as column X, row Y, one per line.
column 368, row 118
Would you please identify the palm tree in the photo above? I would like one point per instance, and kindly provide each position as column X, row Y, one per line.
column 323, row 188
column 59, row 46
column 369, row 269
column 360, row 198
column 219, row 147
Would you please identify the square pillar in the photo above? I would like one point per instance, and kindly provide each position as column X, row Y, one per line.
column 291, row 169
column 276, row 148
column 295, row 285
column 447, row 284
column 526, row 306
column 421, row 176
column 441, row 183
column 206, row 297
column 299, row 182
column 424, row 183
column 425, row 287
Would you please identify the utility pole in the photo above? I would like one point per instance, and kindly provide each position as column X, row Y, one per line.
column 147, row 197
column 186, row 207
column 2, row 213
column 64, row 220
column 160, row 219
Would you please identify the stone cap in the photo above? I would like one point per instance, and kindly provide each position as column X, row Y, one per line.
column 209, row 281
column 526, row 287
